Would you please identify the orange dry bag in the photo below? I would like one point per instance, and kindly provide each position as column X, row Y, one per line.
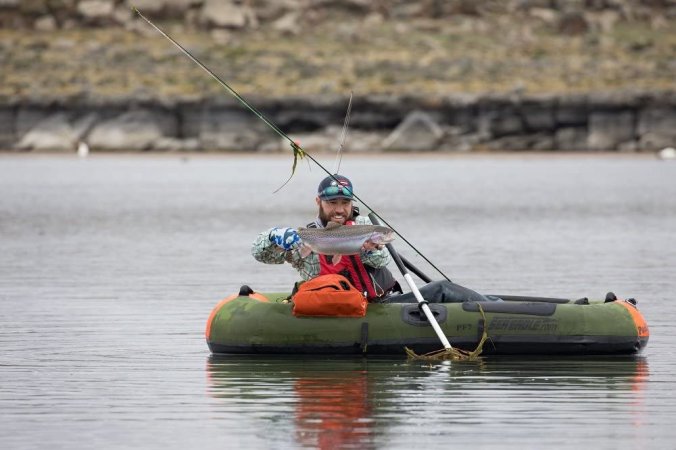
column 329, row 295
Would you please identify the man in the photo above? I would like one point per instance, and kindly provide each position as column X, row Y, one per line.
column 367, row 271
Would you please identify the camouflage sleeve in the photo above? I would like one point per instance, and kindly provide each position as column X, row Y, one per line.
column 267, row 252
column 374, row 258
column 307, row 267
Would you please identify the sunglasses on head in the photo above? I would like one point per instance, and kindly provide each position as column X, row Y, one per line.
column 334, row 190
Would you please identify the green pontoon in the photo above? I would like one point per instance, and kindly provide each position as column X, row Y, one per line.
column 264, row 324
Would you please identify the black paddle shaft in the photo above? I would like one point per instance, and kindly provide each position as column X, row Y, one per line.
column 414, row 269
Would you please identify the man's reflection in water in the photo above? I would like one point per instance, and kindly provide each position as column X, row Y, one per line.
column 333, row 411
column 328, row 402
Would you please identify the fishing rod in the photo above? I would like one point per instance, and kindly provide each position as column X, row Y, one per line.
column 298, row 152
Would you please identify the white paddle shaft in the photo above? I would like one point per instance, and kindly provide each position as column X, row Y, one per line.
column 428, row 313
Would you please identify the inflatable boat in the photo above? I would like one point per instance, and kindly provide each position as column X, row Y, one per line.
column 264, row 324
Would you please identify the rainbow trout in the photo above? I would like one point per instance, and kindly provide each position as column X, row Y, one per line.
column 338, row 239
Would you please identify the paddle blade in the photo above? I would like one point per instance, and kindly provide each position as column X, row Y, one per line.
column 453, row 354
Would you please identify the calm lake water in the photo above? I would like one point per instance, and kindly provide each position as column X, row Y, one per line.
column 110, row 266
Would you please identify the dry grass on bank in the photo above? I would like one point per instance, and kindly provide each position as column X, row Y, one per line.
column 424, row 58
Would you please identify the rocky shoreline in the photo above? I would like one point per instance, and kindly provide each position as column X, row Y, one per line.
column 611, row 122
column 566, row 16
column 451, row 76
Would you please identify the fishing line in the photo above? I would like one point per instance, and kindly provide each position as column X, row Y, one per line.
column 343, row 135
column 298, row 151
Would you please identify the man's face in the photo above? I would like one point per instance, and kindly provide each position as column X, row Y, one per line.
column 338, row 210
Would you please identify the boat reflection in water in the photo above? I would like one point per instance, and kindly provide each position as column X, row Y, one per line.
column 359, row 402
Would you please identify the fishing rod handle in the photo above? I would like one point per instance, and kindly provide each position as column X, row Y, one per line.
column 395, row 255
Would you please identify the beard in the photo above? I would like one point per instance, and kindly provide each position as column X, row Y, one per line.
column 324, row 218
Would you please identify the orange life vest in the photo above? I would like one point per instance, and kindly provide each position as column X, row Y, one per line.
column 351, row 267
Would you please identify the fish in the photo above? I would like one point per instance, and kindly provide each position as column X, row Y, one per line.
column 341, row 240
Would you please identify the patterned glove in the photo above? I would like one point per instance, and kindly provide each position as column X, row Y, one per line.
column 285, row 238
